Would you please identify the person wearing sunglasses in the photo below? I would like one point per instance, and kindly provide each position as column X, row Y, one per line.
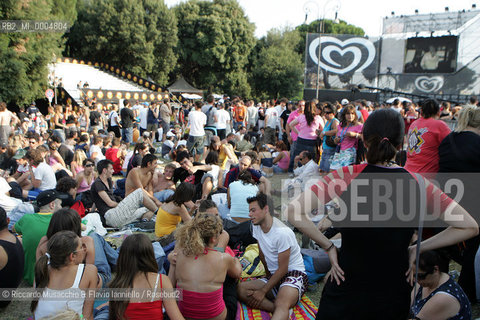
column 436, row 294
column 85, row 180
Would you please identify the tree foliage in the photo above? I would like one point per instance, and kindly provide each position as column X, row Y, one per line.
column 328, row 27
column 138, row 36
column 277, row 69
column 215, row 40
column 24, row 57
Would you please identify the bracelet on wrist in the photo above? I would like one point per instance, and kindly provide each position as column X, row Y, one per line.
column 330, row 247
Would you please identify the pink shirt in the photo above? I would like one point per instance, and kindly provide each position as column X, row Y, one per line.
column 349, row 142
column 292, row 117
column 308, row 132
column 283, row 163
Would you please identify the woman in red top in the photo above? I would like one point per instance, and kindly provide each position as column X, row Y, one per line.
column 115, row 154
column 138, row 269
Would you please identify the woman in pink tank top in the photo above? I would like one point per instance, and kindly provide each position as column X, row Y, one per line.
column 281, row 161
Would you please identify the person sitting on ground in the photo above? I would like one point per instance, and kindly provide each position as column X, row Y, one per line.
column 98, row 252
column 191, row 172
column 200, row 270
column 42, row 176
column 163, row 186
column 438, row 296
column 117, row 212
column 140, row 150
column 79, row 157
column 168, row 146
column 244, row 164
column 33, row 227
column 60, row 270
column 11, row 257
column 214, row 177
column 266, row 160
column 238, row 193
column 226, row 155
column 173, row 211
column 138, row 269
column 141, row 178
column 116, row 154
column 281, row 161
column 85, row 181
column 96, row 149
column 286, row 279
column 63, row 150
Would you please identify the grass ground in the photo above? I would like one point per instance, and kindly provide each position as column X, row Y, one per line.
column 21, row 309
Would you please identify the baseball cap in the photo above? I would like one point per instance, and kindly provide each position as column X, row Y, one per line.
column 3, row 145
column 20, row 154
column 345, row 102
column 170, row 134
column 47, row 196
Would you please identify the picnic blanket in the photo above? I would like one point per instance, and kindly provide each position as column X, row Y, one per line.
column 305, row 309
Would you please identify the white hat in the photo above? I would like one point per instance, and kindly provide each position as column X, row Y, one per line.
column 345, row 102
column 170, row 134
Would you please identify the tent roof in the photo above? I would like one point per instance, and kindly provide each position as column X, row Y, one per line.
column 181, row 85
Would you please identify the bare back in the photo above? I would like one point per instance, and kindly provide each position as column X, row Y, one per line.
column 206, row 273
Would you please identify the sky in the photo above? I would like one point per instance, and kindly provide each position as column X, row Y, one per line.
column 367, row 14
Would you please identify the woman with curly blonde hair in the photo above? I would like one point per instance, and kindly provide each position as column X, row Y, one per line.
column 200, row 269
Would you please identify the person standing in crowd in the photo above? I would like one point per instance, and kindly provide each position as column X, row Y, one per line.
column 138, row 269
column 459, row 154
column 96, row 119
column 306, row 126
column 239, row 114
column 292, row 135
column 60, row 122
column 223, row 120
column 252, row 114
column 165, row 114
column 424, row 138
column 328, row 135
column 143, row 116
column 114, row 122
column 348, row 134
column 211, row 112
column 128, row 120
column 283, row 122
column 271, row 119
column 196, row 122
column 348, row 294
column 7, row 118
column 152, row 120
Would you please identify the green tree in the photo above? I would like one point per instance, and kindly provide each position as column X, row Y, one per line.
column 215, row 40
column 24, row 57
column 137, row 36
column 277, row 69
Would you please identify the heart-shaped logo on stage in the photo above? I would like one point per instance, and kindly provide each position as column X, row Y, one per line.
column 429, row 84
column 362, row 50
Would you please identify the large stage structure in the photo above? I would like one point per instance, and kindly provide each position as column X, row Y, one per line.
column 435, row 55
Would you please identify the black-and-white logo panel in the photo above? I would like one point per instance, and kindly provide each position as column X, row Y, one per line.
column 429, row 84
column 342, row 56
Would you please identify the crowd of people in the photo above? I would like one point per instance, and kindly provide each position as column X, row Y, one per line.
column 200, row 176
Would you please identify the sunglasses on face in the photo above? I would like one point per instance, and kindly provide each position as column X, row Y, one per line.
column 328, row 112
column 88, row 165
column 423, row 275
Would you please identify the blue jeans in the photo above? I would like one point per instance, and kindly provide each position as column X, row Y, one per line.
column 277, row 169
column 327, row 156
column 163, row 195
column 301, row 145
column 105, row 257
column 127, row 135
column 292, row 151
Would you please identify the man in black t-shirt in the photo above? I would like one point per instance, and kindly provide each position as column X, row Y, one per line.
column 128, row 119
column 194, row 173
column 117, row 212
column 283, row 120
column 95, row 119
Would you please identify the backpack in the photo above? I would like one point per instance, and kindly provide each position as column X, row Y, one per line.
column 239, row 113
column 251, row 264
